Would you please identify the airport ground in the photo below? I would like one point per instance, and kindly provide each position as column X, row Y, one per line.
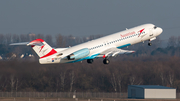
column 81, row 99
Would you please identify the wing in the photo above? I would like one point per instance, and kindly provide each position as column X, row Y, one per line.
column 111, row 52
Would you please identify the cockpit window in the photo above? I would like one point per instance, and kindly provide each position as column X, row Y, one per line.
column 155, row 27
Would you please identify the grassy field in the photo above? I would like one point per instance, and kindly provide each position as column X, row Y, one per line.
column 70, row 99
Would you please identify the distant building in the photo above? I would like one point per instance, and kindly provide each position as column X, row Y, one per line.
column 32, row 36
column 151, row 92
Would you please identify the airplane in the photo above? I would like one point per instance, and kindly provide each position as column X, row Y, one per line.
column 105, row 47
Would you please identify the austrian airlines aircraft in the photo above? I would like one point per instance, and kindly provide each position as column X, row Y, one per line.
column 105, row 47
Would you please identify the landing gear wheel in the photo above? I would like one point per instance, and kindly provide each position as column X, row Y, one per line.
column 149, row 44
column 106, row 61
column 90, row 61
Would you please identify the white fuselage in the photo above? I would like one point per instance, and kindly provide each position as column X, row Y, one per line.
column 118, row 40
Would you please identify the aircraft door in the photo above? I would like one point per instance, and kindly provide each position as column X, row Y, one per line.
column 151, row 33
column 106, row 43
column 147, row 35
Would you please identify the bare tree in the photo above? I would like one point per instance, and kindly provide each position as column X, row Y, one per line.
column 4, row 84
column 15, row 38
column 60, row 41
column 62, row 75
column 8, row 38
column 41, row 36
column 17, row 84
column 113, row 82
column 171, row 78
column 23, row 38
column 12, row 82
column 132, row 79
column 0, row 80
column 72, row 78
column 162, row 78
column 57, row 84
column 119, row 82
column 48, row 39
column 140, row 81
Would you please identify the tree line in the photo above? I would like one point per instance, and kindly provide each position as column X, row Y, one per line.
column 82, row 77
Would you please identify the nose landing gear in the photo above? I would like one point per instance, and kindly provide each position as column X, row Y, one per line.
column 149, row 44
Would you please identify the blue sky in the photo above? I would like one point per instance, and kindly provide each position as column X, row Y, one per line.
column 85, row 18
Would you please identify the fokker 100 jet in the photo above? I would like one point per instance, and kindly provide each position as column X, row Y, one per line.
column 105, row 47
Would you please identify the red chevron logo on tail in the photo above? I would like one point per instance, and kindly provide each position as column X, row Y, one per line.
column 41, row 48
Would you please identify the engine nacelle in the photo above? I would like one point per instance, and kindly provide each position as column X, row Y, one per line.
column 79, row 54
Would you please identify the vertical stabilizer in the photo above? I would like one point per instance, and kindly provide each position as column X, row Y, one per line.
column 42, row 48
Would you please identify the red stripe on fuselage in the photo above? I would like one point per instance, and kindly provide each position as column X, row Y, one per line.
column 49, row 54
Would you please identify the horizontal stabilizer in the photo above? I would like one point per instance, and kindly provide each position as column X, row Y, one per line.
column 40, row 47
column 22, row 43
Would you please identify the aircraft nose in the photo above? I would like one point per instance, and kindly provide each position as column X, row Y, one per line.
column 160, row 30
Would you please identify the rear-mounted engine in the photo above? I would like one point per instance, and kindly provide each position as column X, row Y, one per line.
column 79, row 54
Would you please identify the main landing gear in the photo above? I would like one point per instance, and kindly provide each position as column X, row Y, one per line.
column 90, row 61
column 106, row 61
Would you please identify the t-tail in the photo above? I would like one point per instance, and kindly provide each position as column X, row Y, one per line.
column 41, row 48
